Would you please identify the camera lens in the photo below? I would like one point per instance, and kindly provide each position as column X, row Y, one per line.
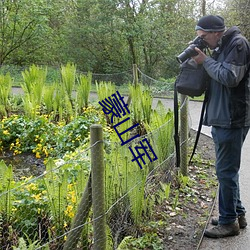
column 187, row 53
column 190, row 51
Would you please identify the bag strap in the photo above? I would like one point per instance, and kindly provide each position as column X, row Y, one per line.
column 176, row 126
column 199, row 127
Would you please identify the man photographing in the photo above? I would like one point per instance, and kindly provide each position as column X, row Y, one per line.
column 228, row 112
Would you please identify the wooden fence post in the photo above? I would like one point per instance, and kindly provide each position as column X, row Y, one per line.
column 184, row 135
column 135, row 81
column 98, row 195
column 135, row 74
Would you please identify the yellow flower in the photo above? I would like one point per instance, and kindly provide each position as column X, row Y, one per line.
column 73, row 199
column 31, row 187
column 69, row 211
column 45, row 151
column 37, row 196
column 16, row 152
column 14, row 209
column 38, row 156
column 6, row 132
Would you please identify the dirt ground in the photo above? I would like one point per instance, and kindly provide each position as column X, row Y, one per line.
column 187, row 222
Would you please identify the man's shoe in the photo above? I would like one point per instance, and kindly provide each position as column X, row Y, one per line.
column 221, row 231
column 241, row 219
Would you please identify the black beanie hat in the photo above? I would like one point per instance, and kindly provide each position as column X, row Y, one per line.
column 211, row 23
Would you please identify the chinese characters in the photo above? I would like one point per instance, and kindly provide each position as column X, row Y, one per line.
column 116, row 106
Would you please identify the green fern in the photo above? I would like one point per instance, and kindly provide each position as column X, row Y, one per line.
column 48, row 98
column 68, row 74
column 6, row 184
column 162, row 123
column 104, row 89
column 5, row 90
column 83, row 90
column 33, row 86
column 56, row 184
column 141, row 105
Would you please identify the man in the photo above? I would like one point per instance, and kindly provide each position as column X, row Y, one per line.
column 228, row 112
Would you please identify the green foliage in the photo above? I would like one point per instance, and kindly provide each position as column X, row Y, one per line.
column 43, row 137
column 136, row 187
column 68, row 74
column 141, row 105
column 83, row 91
column 34, row 81
column 162, row 121
column 124, row 177
column 30, row 206
column 48, row 98
column 6, row 184
column 22, row 134
column 176, row 199
column 105, row 89
column 5, row 90
column 184, row 181
column 164, row 191
column 15, row 71
column 103, row 36
column 57, row 188
column 23, row 25
column 29, row 245
column 147, row 241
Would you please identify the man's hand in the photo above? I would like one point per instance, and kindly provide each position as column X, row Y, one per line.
column 200, row 58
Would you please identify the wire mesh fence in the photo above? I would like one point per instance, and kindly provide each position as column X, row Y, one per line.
column 58, row 209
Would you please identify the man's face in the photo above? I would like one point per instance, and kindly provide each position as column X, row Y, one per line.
column 211, row 38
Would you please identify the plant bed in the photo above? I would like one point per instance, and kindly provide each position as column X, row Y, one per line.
column 181, row 214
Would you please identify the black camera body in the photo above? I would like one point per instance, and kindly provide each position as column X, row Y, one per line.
column 190, row 51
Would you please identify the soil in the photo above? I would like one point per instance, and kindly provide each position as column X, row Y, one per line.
column 187, row 222
column 25, row 164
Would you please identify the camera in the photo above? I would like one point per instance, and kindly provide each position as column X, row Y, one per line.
column 190, row 51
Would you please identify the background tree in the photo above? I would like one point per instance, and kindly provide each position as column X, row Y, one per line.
column 21, row 26
column 237, row 13
column 105, row 36
column 109, row 36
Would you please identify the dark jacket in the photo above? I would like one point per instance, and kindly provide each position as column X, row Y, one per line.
column 228, row 103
